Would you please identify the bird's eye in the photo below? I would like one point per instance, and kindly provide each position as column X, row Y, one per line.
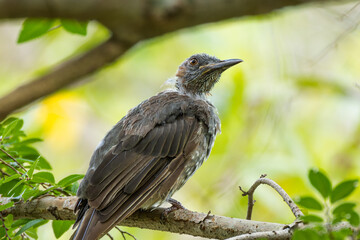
column 193, row 61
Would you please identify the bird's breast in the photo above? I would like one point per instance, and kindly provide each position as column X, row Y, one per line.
column 203, row 142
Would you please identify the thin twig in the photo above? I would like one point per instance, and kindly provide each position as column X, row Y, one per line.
column 8, row 165
column 110, row 236
column 331, row 45
column 21, row 166
column 4, row 173
column 345, row 15
column 123, row 233
column 61, row 191
column 48, row 185
column 4, row 227
column 262, row 180
column 53, row 28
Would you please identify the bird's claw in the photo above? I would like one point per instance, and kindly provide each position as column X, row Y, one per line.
column 175, row 205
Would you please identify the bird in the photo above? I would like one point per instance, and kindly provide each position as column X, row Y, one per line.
column 152, row 151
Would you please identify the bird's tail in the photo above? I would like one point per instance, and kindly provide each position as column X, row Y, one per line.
column 90, row 228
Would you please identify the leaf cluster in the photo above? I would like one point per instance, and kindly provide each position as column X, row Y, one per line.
column 330, row 210
column 33, row 27
column 25, row 175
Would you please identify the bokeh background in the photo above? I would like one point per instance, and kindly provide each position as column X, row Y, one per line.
column 293, row 104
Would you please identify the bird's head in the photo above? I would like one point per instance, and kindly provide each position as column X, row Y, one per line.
column 199, row 73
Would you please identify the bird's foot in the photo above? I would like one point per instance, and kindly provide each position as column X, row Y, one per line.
column 175, row 205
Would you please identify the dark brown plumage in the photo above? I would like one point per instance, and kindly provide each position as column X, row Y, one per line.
column 152, row 151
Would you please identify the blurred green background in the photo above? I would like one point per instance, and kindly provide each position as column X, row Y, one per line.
column 293, row 104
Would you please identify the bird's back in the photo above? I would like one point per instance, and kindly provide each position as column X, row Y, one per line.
column 144, row 159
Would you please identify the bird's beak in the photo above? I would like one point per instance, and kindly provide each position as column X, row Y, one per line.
column 223, row 65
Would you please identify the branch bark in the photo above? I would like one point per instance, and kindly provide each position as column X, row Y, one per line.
column 262, row 180
column 129, row 21
column 67, row 73
column 180, row 221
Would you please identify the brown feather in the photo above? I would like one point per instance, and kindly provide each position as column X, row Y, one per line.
column 142, row 168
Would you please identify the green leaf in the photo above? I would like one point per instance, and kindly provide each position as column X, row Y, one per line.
column 310, row 203
column 20, row 222
column 8, row 179
column 9, row 120
column 12, row 191
column 74, row 187
column 6, row 187
column 70, row 179
column 12, row 127
column 27, row 152
column 33, row 28
column 306, row 234
column 31, row 140
column 344, row 208
column 44, row 191
column 28, row 193
column 60, row 227
column 311, row 218
column 5, row 206
column 2, row 233
column 353, row 218
column 19, row 125
column 341, row 234
column 74, row 26
column 32, row 168
column 30, row 225
column 320, row 182
column 43, row 177
column 9, row 220
column 44, row 164
column 336, row 220
column 343, row 190
column 32, row 232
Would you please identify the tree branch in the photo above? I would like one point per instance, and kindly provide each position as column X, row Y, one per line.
column 67, row 73
column 269, row 235
column 180, row 221
column 130, row 22
column 262, row 180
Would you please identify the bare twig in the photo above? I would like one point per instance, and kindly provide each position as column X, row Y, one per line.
column 123, row 233
column 4, row 173
column 262, row 180
column 7, row 154
column 350, row 10
column 333, row 44
column 60, row 190
column 8, row 165
column 4, row 227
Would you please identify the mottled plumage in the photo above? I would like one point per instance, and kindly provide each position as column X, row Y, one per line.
column 151, row 152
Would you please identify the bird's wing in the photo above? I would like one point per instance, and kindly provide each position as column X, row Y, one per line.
column 135, row 169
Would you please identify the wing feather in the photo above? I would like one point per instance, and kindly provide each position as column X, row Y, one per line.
column 129, row 177
column 174, row 147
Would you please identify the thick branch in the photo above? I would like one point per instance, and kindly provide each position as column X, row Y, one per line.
column 61, row 76
column 139, row 19
column 129, row 21
column 181, row 221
